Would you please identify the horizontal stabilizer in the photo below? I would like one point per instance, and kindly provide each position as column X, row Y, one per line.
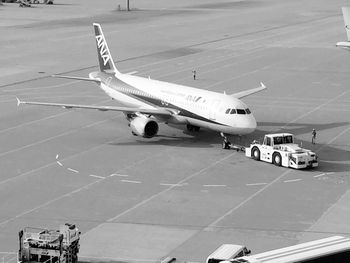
column 76, row 78
column 246, row 93
column 157, row 111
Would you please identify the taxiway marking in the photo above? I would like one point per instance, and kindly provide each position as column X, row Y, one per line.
column 97, row 176
column 59, row 163
column 292, row 181
column 165, row 184
column 132, row 182
column 213, row 224
column 319, row 175
column 120, row 175
column 256, row 184
column 73, row 170
column 169, row 188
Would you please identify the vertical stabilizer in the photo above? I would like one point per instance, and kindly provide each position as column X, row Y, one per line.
column 346, row 15
column 105, row 59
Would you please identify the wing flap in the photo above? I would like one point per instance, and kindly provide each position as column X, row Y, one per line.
column 246, row 93
column 157, row 111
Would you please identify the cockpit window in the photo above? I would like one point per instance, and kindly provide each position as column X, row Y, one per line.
column 233, row 111
column 240, row 111
column 227, row 111
column 248, row 111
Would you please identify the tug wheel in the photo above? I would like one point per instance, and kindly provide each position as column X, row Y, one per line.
column 256, row 153
column 277, row 159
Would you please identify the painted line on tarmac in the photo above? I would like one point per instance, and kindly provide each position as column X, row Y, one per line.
column 165, row 184
column 50, row 202
column 120, row 175
column 73, row 170
column 315, row 109
column 319, row 175
column 215, row 185
column 132, row 182
column 256, row 184
column 211, row 226
column 292, row 181
column 97, row 176
column 169, row 188
column 59, row 163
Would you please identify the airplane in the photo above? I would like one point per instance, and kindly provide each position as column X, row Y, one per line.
column 346, row 16
column 148, row 102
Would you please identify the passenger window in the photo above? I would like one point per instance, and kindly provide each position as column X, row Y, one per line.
column 227, row 111
column 240, row 111
column 233, row 111
column 247, row 111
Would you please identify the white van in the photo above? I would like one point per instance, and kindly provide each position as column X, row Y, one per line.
column 227, row 252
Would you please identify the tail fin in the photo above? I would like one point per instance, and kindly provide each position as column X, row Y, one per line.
column 346, row 16
column 105, row 59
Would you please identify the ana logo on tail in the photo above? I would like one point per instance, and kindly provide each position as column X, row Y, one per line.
column 101, row 44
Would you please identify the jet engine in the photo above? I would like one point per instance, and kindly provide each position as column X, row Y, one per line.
column 144, row 126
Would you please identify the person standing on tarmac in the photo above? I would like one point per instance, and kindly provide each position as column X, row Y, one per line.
column 194, row 74
column 313, row 136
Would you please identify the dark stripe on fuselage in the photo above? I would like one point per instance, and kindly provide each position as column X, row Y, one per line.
column 111, row 81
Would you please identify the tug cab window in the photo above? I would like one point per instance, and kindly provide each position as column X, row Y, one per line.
column 240, row 111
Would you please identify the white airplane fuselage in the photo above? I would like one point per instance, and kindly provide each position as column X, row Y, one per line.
column 192, row 106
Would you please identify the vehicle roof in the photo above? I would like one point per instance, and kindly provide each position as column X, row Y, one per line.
column 278, row 134
column 300, row 252
column 226, row 251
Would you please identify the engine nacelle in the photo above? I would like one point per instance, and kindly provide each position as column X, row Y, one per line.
column 144, row 127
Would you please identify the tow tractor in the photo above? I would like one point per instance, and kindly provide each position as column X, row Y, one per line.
column 49, row 246
column 281, row 150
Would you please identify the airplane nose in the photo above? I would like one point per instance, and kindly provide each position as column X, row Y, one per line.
column 249, row 125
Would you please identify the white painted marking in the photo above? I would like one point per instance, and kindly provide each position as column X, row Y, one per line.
column 132, row 182
column 212, row 225
column 56, row 156
column 169, row 188
column 214, row 185
column 97, row 176
column 256, row 184
column 330, row 173
column 72, row 170
column 164, row 184
column 291, row 181
column 319, row 175
column 59, row 163
column 120, row 259
column 120, row 175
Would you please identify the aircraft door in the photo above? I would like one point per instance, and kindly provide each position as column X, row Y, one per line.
column 214, row 109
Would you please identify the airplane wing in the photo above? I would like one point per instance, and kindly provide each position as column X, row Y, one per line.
column 246, row 93
column 77, row 78
column 157, row 111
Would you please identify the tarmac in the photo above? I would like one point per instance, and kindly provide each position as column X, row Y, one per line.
column 178, row 194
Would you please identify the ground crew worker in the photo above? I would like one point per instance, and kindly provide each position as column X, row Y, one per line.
column 313, row 136
column 194, row 74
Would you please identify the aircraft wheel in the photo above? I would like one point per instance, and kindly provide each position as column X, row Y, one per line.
column 256, row 153
column 277, row 159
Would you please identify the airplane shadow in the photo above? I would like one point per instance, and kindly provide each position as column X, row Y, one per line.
column 331, row 158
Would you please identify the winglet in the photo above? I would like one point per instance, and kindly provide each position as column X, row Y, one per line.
column 246, row 93
column 18, row 101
